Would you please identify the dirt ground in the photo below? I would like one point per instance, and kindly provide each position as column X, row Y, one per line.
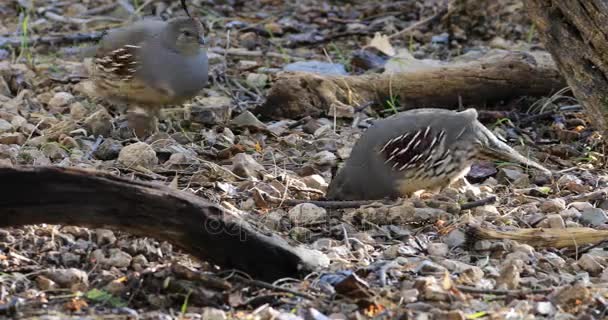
column 417, row 259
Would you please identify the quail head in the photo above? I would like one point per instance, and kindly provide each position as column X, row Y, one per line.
column 151, row 64
column 421, row 149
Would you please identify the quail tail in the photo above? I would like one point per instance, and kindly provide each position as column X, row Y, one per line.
column 492, row 147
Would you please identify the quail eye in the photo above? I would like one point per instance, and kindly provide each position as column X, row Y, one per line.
column 187, row 33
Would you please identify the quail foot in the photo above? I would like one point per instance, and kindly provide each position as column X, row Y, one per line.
column 422, row 149
column 151, row 64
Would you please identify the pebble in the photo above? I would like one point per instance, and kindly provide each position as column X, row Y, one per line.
column 247, row 120
column 213, row 314
column 67, row 278
column 306, row 213
column 99, row 123
column 455, row 238
column 108, row 149
column 553, row 205
column 545, row 308
column 18, row 122
column 105, row 236
column 556, row 221
column 138, row 154
column 5, row 126
column 324, row 158
column 12, row 138
column 409, row 295
column 593, row 217
column 212, row 110
column 315, row 181
column 60, row 100
column 508, row 175
column 70, row 259
column 300, row 234
column 257, row 80
column 509, row 276
column 78, row 111
column 437, row 249
column 33, row 157
column 244, row 165
column 590, row 264
column 54, row 151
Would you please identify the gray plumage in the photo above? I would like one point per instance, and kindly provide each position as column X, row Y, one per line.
column 152, row 63
column 418, row 149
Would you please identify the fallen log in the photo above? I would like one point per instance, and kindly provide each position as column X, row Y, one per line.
column 68, row 196
column 497, row 76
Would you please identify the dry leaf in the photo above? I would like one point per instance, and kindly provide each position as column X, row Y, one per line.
column 382, row 43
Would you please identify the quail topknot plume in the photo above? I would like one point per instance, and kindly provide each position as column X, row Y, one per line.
column 151, row 64
column 421, row 149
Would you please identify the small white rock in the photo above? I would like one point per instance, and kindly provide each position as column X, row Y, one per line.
column 437, row 249
column 138, row 154
column 60, row 99
column 324, row 158
column 315, row 181
column 306, row 213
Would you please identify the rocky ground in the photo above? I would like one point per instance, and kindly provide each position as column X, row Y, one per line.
column 412, row 260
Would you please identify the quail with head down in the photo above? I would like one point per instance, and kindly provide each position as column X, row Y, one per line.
column 151, row 64
column 421, row 149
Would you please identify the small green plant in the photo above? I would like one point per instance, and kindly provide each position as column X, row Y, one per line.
column 410, row 46
column 499, row 122
column 25, row 41
column 342, row 58
column 393, row 104
column 282, row 50
column 531, row 34
column 184, row 307
column 101, row 296
column 393, row 100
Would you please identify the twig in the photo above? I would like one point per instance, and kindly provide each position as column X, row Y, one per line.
column 468, row 289
column 16, row 42
column 420, row 23
column 601, row 194
column 478, row 203
column 269, row 286
column 252, row 53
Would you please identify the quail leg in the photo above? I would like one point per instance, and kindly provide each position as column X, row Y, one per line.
column 142, row 122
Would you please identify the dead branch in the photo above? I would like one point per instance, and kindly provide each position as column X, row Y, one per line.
column 542, row 237
column 68, row 196
column 498, row 76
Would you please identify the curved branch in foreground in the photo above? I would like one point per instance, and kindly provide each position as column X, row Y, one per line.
column 88, row 198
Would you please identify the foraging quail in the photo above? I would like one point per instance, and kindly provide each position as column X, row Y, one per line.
column 418, row 149
column 151, row 64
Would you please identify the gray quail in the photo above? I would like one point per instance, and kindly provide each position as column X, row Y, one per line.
column 421, row 149
column 151, row 64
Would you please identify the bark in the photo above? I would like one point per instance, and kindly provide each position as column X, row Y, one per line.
column 576, row 34
column 100, row 200
column 495, row 77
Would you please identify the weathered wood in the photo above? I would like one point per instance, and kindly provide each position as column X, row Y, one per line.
column 576, row 34
column 497, row 76
column 68, row 196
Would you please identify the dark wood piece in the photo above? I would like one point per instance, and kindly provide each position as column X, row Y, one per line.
column 87, row 198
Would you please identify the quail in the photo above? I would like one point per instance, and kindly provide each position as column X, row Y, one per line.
column 150, row 64
column 421, row 149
